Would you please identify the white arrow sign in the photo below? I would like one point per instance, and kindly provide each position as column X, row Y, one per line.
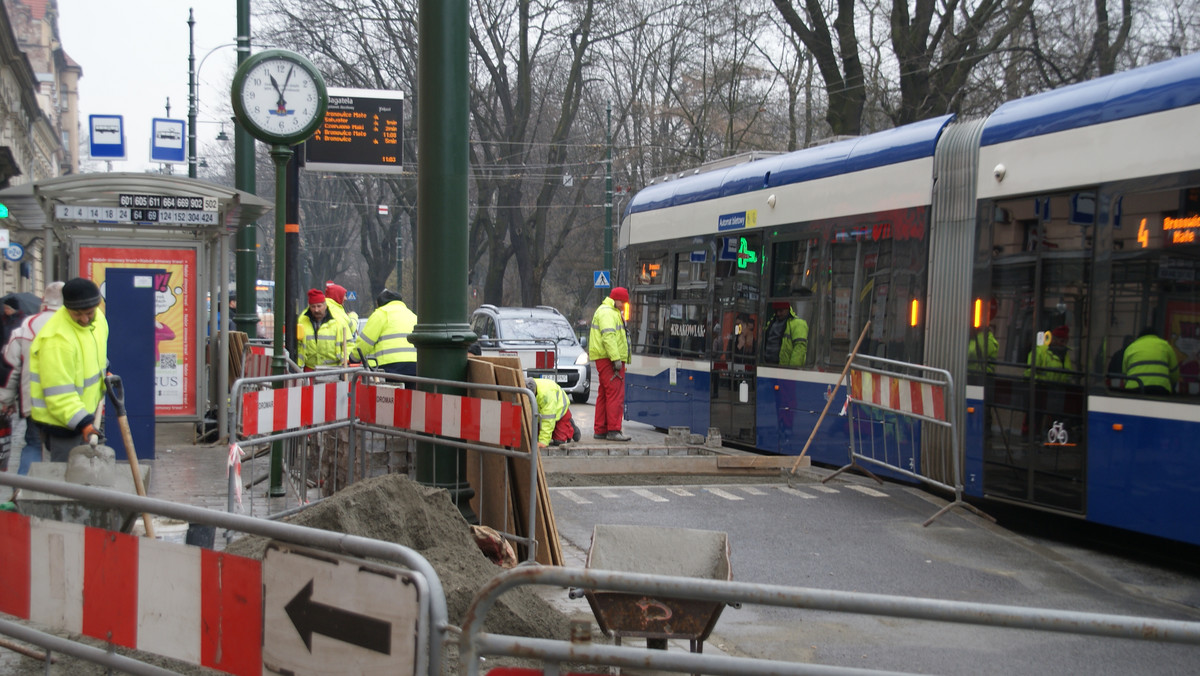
column 329, row 614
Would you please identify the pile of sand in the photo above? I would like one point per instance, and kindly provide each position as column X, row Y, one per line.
column 393, row 509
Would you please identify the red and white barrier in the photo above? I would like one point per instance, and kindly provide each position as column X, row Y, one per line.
column 267, row 411
column 899, row 394
column 188, row 603
column 483, row 420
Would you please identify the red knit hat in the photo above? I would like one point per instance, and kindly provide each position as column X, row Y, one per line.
column 315, row 296
column 619, row 293
column 1061, row 332
column 781, row 305
column 336, row 292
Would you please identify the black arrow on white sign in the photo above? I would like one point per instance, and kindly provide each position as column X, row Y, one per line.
column 311, row 618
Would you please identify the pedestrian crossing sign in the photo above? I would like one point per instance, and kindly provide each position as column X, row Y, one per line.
column 600, row 279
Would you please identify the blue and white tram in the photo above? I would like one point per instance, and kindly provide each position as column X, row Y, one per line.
column 1067, row 220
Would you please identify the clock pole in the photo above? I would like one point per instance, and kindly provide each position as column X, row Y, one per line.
column 280, row 154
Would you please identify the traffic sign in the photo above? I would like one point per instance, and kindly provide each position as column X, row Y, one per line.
column 14, row 252
column 601, row 279
column 325, row 614
column 167, row 140
column 106, row 138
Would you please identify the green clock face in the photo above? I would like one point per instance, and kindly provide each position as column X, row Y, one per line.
column 279, row 96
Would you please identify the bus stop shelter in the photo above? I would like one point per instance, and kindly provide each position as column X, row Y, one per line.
column 179, row 227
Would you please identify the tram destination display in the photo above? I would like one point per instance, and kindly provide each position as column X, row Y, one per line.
column 361, row 133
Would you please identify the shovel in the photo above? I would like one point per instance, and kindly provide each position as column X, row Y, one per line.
column 116, row 394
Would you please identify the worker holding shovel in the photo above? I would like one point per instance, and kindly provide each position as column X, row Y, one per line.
column 67, row 362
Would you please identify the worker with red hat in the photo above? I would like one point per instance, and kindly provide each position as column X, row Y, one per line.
column 335, row 301
column 608, row 346
column 786, row 341
column 1052, row 359
column 320, row 338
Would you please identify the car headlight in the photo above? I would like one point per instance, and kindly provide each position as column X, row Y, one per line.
column 581, row 359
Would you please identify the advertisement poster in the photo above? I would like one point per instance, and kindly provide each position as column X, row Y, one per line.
column 175, row 331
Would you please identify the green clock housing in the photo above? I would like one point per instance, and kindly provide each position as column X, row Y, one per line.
column 279, row 97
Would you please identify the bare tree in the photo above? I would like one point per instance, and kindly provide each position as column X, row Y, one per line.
column 839, row 62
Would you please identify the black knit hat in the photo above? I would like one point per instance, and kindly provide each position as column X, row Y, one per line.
column 80, row 294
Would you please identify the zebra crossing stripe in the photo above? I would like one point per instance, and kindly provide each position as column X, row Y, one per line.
column 723, row 494
column 867, row 491
column 604, row 493
column 799, row 494
column 823, row 488
column 682, row 492
column 577, row 499
column 649, row 495
column 751, row 490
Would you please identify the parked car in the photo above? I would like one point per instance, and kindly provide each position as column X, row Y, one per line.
column 525, row 332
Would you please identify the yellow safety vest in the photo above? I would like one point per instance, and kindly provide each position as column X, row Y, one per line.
column 323, row 346
column 67, row 363
column 607, row 338
column 385, row 336
column 1152, row 360
column 339, row 313
column 552, row 404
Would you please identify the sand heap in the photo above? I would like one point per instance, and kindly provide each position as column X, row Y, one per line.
column 393, row 509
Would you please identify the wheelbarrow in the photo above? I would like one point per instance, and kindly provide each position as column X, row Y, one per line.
column 680, row 552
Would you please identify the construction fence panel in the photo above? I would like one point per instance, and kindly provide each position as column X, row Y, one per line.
column 284, row 614
column 421, row 410
column 887, row 403
column 338, row 426
column 476, row 645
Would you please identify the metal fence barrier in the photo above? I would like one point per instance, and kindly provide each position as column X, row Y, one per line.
column 475, row 644
column 352, row 423
column 115, row 551
column 887, row 402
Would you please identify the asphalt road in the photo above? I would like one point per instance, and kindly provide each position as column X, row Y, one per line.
column 857, row 536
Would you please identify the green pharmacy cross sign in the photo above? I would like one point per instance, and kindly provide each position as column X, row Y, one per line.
column 744, row 255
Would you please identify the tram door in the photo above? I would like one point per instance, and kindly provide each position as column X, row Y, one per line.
column 735, row 348
column 1035, row 398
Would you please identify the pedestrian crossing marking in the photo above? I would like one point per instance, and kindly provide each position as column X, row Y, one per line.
column 604, row 493
column 682, row 492
column 649, row 495
column 573, row 497
column 793, row 491
column 751, row 490
column 723, row 494
column 822, row 488
column 600, row 279
column 867, row 491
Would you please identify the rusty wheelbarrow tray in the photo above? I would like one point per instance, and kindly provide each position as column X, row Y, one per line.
column 680, row 552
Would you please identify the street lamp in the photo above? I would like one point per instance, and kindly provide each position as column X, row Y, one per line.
column 194, row 94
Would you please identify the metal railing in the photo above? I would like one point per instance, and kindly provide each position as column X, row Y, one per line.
column 433, row 624
column 364, row 449
column 904, row 395
column 476, row 644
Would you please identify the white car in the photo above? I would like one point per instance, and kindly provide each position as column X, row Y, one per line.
column 531, row 330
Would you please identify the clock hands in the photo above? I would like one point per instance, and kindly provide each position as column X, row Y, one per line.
column 282, row 103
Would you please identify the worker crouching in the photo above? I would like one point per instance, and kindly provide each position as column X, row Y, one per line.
column 555, row 425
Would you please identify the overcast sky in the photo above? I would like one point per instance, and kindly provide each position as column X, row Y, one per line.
column 134, row 55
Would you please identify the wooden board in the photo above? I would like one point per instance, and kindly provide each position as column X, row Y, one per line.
column 486, row 473
column 508, row 372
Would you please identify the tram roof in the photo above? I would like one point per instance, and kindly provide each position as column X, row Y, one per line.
column 1151, row 89
column 892, row 146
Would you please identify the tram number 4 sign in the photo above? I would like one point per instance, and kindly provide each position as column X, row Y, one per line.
column 325, row 614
